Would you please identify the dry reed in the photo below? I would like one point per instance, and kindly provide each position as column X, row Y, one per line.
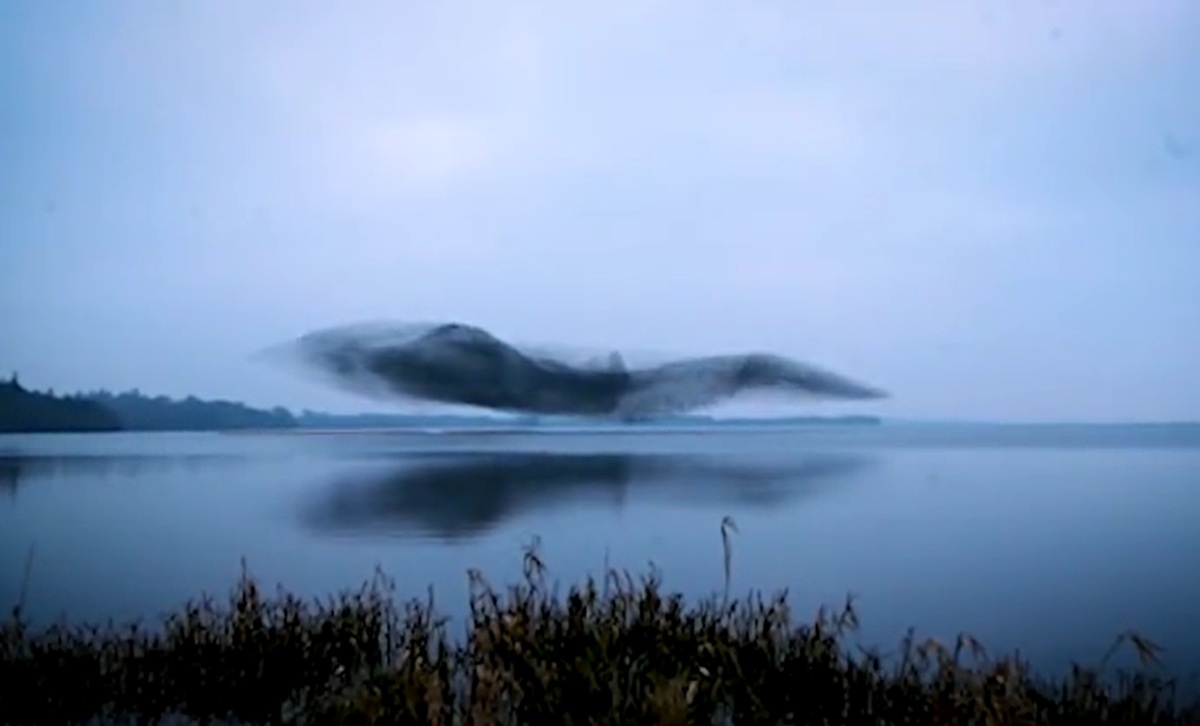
column 619, row 651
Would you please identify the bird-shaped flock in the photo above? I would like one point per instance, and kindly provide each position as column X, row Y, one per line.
column 464, row 364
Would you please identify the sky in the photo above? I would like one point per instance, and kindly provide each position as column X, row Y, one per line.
column 989, row 209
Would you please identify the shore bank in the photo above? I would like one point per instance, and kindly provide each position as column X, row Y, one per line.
column 619, row 650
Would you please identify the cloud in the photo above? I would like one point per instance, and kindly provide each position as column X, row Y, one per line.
column 535, row 92
column 398, row 102
column 427, row 153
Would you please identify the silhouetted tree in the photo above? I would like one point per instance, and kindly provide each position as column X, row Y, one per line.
column 137, row 412
column 31, row 411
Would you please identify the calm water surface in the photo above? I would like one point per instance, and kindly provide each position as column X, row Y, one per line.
column 1047, row 539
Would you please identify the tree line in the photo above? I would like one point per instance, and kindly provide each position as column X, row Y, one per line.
column 24, row 410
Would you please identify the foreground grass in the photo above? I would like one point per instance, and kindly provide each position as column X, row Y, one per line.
column 616, row 651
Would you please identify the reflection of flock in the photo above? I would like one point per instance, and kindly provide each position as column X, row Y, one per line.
column 10, row 473
column 461, row 494
column 464, row 495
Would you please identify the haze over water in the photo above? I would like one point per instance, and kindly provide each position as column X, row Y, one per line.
column 1050, row 539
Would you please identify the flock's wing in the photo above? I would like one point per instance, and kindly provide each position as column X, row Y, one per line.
column 698, row 382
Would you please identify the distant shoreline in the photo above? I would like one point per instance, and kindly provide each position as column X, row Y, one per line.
column 549, row 430
column 593, row 429
column 24, row 411
column 1011, row 433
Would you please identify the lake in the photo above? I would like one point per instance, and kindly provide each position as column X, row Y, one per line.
column 1047, row 539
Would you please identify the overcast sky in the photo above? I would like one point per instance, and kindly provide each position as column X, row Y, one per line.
column 989, row 209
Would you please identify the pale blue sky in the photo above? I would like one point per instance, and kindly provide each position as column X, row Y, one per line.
column 990, row 209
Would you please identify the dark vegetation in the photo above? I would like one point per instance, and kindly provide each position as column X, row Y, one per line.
column 617, row 651
column 137, row 412
column 23, row 410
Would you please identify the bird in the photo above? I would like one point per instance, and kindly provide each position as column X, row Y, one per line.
column 460, row 363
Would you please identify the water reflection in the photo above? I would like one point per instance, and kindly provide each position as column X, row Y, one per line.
column 10, row 475
column 18, row 469
column 463, row 496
